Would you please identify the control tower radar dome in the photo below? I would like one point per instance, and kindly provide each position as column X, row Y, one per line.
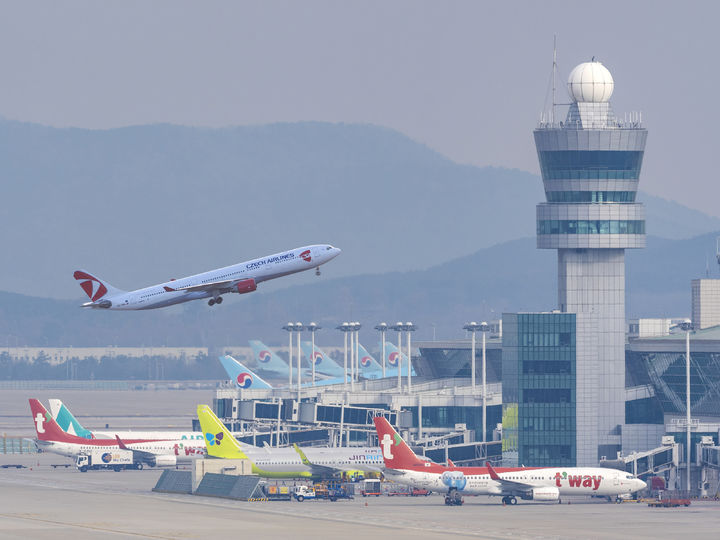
column 590, row 82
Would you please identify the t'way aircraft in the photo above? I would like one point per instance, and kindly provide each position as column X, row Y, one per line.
column 51, row 438
column 528, row 483
column 239, row 278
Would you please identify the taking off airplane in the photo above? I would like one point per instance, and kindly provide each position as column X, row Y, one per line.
column 239, row 278
column 402, row 465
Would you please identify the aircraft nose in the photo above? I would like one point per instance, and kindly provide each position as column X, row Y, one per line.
column 640, row 484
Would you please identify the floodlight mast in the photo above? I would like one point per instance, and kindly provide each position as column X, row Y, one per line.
column 290, row 327
column 409, row 327
column 299, row 329
column 312, row 328
column 399, row 327
column 686, row 325
column 345, row 328
column 382, row 328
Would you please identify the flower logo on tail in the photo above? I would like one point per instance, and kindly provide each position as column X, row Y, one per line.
column 214, row 439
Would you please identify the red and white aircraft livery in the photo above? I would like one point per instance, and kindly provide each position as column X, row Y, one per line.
column 239, row 278
column 402, row 465
column 153, row 452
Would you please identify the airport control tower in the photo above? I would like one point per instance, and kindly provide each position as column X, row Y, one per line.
column 590, row 166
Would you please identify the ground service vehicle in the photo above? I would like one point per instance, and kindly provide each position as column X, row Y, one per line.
column 105, row 459
column 371, row 488
column 304, row 492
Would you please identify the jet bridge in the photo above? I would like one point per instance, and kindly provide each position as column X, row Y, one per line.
column 663, row 460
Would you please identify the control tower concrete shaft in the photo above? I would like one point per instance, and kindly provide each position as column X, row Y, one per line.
column 590, row 168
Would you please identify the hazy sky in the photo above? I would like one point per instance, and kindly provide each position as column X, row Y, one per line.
column 468, row 79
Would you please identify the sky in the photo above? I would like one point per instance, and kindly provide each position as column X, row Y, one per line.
column 467, row 78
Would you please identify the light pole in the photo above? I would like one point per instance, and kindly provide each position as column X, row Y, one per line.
column 345, row 328
column 356, row 328
column 687, row 326
column 472, row 327
column 290, row 327
column 409, row 327
column 484, row 328
column 298, row 330
column 312, row 328
column 399, row 327
column 382, row 328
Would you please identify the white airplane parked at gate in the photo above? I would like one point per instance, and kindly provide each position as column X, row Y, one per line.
column 239, row 278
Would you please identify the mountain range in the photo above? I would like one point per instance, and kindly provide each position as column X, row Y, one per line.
column 141, row 205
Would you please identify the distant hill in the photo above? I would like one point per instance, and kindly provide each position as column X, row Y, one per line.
column 144, row 204
column 512, row 276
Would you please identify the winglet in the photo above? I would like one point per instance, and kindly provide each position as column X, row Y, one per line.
column 120, row 443
column 303, row 457
column 493, row 473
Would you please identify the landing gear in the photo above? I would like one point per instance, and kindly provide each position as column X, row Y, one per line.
column 509, row 500
column 453, row 498
column 214, row 301
column 317, row 271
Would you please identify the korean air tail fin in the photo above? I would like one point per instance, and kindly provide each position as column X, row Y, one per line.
column 242, row 376
column 368, row 364
column 67, row 421
column 94, row 287
column 266, row 359
column 218, row 439
column 323, row 363
column 396, row 453
column 394, row 358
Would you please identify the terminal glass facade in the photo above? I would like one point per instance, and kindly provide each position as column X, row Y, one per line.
column 539, row 398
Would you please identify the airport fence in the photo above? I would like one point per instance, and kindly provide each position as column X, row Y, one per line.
column 17, row 445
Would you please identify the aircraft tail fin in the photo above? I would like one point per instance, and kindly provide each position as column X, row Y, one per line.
column 396, row 453
column 242, row 376
column 46, row 427
column 218, row 439
column 94, row 287
column 67, row 421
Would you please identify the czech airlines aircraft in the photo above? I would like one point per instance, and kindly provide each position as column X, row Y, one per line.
column 286, row 462
column 239, row 278
column 528, row 483
column 158, row 453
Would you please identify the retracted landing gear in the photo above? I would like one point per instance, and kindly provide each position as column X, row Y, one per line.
column 453, row 498
column 214, row 301
column 509, row 500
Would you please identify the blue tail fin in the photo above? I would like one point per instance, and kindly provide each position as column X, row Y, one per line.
column 241, row 376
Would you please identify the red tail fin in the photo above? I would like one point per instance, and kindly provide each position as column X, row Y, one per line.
column 492, row 472
column 396, row 453
column 46, row 427
column 120, row 443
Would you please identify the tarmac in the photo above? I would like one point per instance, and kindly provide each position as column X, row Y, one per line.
column 42, row 502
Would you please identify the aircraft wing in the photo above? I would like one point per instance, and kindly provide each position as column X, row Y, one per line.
column 205, row 287
column 505, row 483
column 138, row 455
column 320, row 470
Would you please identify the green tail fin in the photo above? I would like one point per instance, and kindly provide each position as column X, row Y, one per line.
column 219, row 441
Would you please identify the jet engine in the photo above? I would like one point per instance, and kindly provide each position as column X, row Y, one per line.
column 543, row 494
column 165, row 461
column 246, row 286
column 454, row 480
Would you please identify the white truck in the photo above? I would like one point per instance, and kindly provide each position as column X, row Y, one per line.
column 107, row 459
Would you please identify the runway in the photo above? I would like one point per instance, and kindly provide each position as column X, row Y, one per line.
column 42, row 502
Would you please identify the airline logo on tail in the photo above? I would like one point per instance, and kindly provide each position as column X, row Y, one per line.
column 318, row 357
column 214, row 439
column 264, row 356
column 91, row 285
column 40, row 420
column 244, row 380
column 387, row 444
column 393, row 358
column 365, row 361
